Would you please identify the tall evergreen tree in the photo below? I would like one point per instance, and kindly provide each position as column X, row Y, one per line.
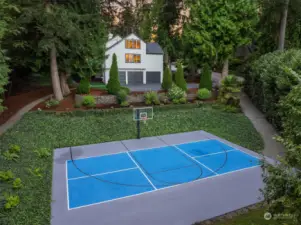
column 114, row 84
column 179, row 77
column 167, row 79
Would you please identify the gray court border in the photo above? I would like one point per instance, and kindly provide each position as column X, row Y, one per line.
column 180, row 204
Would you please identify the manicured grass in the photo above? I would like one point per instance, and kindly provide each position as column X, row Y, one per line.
column 49, row 130
column 254, row 217
column 97, row 85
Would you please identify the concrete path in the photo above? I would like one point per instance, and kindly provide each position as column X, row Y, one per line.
column 11, row 121
column 272, row 148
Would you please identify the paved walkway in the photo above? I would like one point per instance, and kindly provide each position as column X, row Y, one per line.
column 272, row 148
column 11, row 121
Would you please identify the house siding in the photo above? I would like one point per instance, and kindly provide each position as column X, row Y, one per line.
column 149, row 62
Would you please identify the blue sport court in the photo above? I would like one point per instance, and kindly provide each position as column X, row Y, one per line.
column 111, row 177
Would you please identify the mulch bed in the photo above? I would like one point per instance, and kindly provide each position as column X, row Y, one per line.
column 18, row 101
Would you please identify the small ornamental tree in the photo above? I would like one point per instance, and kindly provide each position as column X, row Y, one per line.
column 167, row 80
column 205, row 79
column 179, row 77
column 114, row 84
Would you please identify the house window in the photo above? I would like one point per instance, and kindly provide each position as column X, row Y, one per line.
column 132, row 58
column 133, row 44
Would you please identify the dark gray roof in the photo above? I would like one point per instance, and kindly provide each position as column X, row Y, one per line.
column 153, row 48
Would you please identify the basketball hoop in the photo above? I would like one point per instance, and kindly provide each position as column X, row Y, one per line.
column 142, row 114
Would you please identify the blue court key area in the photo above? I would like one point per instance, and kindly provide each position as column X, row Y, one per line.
column 126, row 174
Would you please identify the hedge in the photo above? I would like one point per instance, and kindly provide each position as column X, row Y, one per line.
column 271, row 78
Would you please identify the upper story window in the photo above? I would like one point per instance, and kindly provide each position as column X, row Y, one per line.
column 133, row 44
column 132, row 58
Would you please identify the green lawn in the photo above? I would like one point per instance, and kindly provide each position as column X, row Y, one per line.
column 98, row 85
column 49, row 130
column 254, row 217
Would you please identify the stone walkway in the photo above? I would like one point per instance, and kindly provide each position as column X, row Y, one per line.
column 272, row 148
column 11, row 121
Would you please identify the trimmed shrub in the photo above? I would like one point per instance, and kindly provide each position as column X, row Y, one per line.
column 179, row 77
column 113, row 85
column 271, row 78
column 151, row 97
column 183, row 100
column 83, row 87
column 203, row 94
column 176, row 93
column 229, row 91
column 206, row 79
column 167, row 79
column 124, row 104
column 121, row 96
column 126, row 89
column 89, row 101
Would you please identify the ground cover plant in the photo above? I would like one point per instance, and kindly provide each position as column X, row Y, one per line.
column 39, row 130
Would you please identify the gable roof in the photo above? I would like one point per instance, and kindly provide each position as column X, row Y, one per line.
column 153, row 48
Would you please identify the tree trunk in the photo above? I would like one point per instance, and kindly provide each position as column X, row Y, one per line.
column 225, row 68
column 55, row 75
column 283, row 23
column 64, row 85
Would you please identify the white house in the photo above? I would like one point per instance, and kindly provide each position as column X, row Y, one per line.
column 138, row 62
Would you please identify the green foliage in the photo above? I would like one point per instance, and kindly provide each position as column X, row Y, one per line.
column 11, row 201
column 9, row 156
column 215, row 29
column 77, row 105
column 206, row 80
column 179, row 77
column 176, row 93
column 89, row 101
column 176, row 101
column 126, row 89
column 7, row 26
column 87, row 127
column 282, row 183
column 271, row 78
column 167, row 80
column 42, row 152
column 151, row 97
column 6, row 175
column 203, row 94
column 114, row 84
column 36, row 172
column 17, row 184
column 229, row 91
column 183, row 100
column 122, row 96
column 124, row 104
column 83, row 87
column 14, row 149
column 52, row 102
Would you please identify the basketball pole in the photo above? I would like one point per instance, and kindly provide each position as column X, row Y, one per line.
column 138, row 123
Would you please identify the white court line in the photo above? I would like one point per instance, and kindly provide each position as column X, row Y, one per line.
column 67, row 186
column 172, row 186
column 195, row 160
column 216, row 153
column 99, row 174
column 141, row 171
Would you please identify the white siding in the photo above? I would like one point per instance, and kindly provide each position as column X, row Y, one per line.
column 113, row 41
column 148, row 62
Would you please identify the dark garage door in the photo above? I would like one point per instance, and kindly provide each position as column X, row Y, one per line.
column 122, row 78
column 153, row 77
column 135, row 77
